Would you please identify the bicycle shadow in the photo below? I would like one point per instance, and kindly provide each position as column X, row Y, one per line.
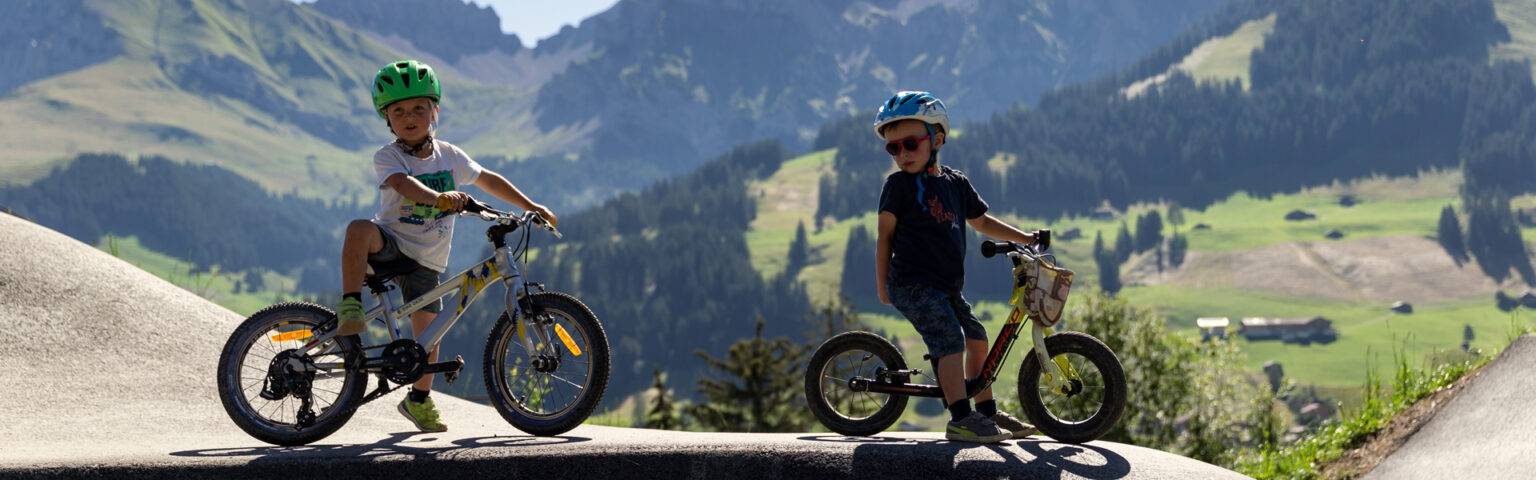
column 944, row 459
column 395, row 444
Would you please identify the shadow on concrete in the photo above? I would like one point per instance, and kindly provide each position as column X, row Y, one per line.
column 394, row 444
column 933, row 458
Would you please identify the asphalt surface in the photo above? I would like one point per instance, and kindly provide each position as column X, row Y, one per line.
column 110, row 373
column 1488, row 431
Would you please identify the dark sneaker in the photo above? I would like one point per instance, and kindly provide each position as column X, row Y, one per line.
column 423, row 414
column 1013, row 424
column 349, row 317
column 975, row 428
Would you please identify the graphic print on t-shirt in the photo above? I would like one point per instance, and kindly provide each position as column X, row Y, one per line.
column 936, row 208
column 418, row 213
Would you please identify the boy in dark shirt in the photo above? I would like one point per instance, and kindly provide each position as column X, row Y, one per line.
column 920, row 260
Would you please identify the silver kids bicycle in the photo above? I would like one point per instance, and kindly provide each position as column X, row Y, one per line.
column 286, row 378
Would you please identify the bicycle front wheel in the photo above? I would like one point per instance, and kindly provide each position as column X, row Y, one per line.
column 1091, row 403
column 554, row 386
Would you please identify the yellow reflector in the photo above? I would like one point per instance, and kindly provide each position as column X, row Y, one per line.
column 294, row 335
column 566, row 338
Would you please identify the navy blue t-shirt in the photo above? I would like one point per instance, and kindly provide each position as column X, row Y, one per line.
column 928, row 246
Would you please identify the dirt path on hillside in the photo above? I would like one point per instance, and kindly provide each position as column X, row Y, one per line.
column 1379, row 269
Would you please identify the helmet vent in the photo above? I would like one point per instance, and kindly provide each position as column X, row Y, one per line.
column 378, row 86
column 421, row 74
column 388, row 80
column 407, row 79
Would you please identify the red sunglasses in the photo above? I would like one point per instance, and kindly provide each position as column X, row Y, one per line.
column 909, row 143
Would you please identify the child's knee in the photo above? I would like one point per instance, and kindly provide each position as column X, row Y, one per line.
column 365, row 233
column 943, row 343
column 361, row 229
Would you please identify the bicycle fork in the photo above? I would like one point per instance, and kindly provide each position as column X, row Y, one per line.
column 512, row 279
column 1059, row 373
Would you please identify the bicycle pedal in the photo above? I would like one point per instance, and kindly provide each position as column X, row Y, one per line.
column 449, row 369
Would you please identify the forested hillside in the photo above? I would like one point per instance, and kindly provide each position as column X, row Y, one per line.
column 1339, row 90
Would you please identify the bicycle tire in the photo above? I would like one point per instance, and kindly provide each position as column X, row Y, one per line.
column 231, row 363
column 1108, row 412
column 816, row 396
column 495, row 363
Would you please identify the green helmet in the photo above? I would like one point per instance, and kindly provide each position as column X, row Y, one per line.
column 403, row 80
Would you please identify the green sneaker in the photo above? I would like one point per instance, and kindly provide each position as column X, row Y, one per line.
column 349, row 315
column 976, row 428
column 1013, row 424
column 423, row 414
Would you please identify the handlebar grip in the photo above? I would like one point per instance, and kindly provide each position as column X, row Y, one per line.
column 990, row 248
column 476, row 206
column 1043, row 239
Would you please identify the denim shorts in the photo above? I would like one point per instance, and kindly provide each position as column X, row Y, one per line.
column 415, row 281
column 943, row 319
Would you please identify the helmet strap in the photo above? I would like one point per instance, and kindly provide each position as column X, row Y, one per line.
column 424, row 146
column 928, row 170
column 933, row 152
column 417, row 149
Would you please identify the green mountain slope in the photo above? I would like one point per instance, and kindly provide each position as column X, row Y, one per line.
column 274, row 90
column 271, row 90
column 1251, row 262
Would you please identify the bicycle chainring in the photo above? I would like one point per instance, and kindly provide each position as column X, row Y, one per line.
column 405, row 359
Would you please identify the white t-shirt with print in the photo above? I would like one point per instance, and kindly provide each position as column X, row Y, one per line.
column 423, row 232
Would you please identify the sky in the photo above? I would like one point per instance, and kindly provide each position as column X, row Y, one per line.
column 533, row 20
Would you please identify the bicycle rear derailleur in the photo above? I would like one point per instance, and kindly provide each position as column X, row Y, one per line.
column 291, row 373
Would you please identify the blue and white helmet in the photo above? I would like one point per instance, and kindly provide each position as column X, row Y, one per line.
column 915, row 105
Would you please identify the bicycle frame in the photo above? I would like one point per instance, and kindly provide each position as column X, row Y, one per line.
column 470, row 284
column 1058, row 371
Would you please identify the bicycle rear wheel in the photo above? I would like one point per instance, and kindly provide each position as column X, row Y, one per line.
column 834, row 403
column 263, row 382
column 1093, row 403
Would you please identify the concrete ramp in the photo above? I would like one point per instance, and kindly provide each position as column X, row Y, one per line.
column 110, row 373
column 1488, row 431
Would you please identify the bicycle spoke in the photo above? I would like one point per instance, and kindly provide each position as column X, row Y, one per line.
column 573, row 384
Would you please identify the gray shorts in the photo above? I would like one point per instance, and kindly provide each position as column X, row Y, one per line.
column 415, row 281
column 944, row 320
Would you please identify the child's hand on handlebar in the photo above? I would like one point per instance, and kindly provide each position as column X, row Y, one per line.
column 545, row 212
column 452, row 201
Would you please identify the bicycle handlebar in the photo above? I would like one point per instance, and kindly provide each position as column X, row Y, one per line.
column 485, row 211
column 1042, row 243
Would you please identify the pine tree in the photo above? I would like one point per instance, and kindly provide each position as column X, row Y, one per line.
column 1175, row 216
column 759, row 389
column 1493, row 237
column 1124, row 244
column 1149, row 231
column 823, row 196
column 1098, row 245
column 858, row 279
column 837, row 316
column 663, row 413
column 1178, row 247
column 1109, row 273
column 799, row 253
column 1450, row 235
